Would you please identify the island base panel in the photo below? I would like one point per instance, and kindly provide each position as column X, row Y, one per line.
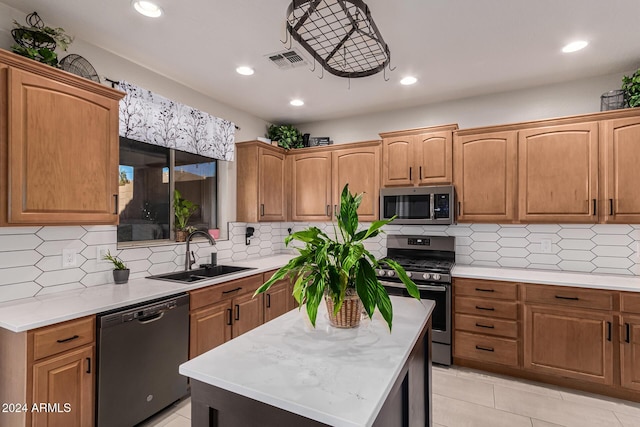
column 408, row 403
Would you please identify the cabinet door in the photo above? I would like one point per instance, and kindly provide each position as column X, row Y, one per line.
column 311, row 186
column 630, row 352
column 4, row 141
column 276, row 300
column 360, row 168
column 433, row 158
column 485, row 177
column 209, row 327
column 271, row 194
column 620, row 158
column 569, row 342
column 67, row 378
column 397, row 161
column 63, row 153
column 558, row 173
column 247, row 314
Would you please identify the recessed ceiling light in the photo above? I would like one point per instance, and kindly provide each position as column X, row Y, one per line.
column 147, row 8
column 297, row 102
column 409, row 80
column 245, row 71
column 575, row 46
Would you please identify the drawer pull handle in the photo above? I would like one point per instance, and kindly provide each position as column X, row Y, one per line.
column 485, row 290
column 480, row 325
column 229, row 318
column 485, row 308
column 567, row 298
column 608, row 331
column 237, row 312
column 627, row 328
column 485, row 348
column 232, row 290
column 75, row 337
column 88, row 365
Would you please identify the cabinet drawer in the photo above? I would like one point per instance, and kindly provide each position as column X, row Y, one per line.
column 569, row 296
column 62, row 337
column 630, row 302
column 486, row 289
column 212, row 294
column 488, row 326
column 486, row 349
column 487, row 307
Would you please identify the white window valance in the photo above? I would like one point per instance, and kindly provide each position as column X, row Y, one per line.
column 154, row 119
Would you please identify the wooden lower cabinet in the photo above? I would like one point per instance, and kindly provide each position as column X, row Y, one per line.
column 225, row 311
column 569, row 342
column 630, row 352
column 67, row 382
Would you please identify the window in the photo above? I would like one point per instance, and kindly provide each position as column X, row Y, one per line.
column 148, row 174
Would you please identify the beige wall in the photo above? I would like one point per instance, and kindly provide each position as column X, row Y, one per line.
column 564, row 99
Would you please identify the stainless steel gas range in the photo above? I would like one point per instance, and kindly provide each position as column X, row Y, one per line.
column 428, row 261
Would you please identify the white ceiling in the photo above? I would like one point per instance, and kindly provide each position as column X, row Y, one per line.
column 456, row 49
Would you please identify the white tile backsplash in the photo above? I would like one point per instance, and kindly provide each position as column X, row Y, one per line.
column 30, row 257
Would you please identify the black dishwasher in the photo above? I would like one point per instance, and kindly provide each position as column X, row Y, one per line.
column 139, row 350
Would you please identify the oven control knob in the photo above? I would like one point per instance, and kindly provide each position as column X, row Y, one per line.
column 380, row 272
column 391, row 273
column 435, row 276
column 409, row 274
column 426, row 276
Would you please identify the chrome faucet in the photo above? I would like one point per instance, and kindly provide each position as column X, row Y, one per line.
column 190, row 257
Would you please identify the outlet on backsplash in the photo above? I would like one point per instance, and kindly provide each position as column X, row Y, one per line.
column 545, row 246
column 69, row 258
column 101, row 251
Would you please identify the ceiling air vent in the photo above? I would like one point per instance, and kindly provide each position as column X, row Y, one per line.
column 287, row 59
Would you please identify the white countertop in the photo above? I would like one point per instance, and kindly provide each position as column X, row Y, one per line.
column 546, row 277
column 340, row 377
column 30, row 313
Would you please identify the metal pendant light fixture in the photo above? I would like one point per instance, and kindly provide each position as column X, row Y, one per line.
column 340, row 35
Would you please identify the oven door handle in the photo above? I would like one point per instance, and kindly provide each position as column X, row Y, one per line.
column 435, row 288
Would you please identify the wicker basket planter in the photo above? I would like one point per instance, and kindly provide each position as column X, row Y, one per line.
column 349, row 314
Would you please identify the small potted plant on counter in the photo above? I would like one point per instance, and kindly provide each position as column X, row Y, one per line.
column 341, row 270
column 120, row 270
column 183, row 209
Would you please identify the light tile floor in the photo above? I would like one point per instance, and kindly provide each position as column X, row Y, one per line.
column 469, row 398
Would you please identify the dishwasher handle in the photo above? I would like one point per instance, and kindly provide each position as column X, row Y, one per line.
column 151, row 319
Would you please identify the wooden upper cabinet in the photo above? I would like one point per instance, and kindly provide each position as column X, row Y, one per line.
column 485, row 176
column 62, row 151
column 311, row 186
column 558, row 173
column 433, row 154
column 418, row 156
column 620, row 176
column 261, row 183
column 360, row 168
column 397, row 167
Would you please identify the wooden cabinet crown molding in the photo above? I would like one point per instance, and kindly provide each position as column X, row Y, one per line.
column 418, row 131
column 580, row 118
column 20, row 62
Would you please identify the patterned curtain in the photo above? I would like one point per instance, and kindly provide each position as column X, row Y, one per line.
column 151, row 118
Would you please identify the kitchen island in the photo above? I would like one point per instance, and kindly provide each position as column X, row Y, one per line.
column 285, row 372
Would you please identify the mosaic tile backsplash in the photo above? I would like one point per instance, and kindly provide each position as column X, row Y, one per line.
column 31, row 257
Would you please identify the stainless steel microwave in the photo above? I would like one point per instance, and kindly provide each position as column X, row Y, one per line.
column 419, row 205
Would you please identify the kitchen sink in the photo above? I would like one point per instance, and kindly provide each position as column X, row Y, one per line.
column 199, row 274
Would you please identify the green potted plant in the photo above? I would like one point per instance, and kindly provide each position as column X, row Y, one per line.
column 287, row 136
column 631, row 89
column 341, row 269
column 37, row 41
column 120, row 270
column 183, row 209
